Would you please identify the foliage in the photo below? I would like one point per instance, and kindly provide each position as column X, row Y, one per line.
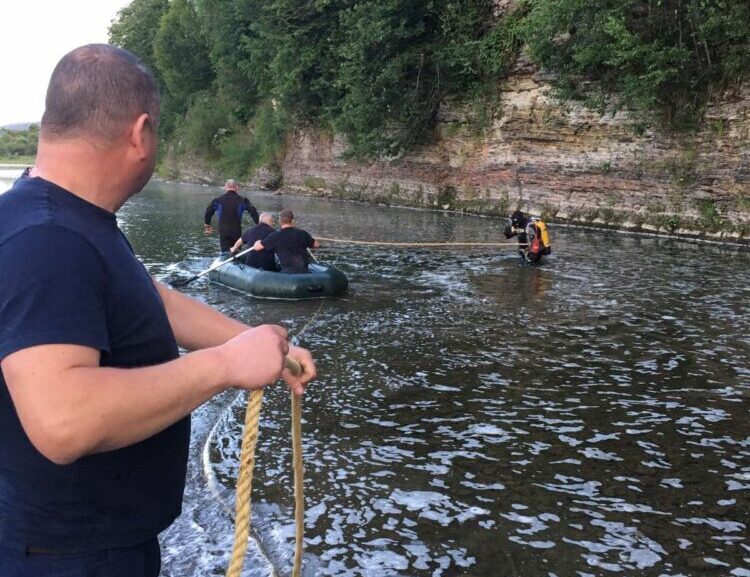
column 135, row 28
column 238, row 75
column 663, row 56
column 398, row 60
column 182, row 57
column 19, row 143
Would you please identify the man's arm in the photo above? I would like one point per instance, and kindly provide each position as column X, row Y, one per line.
column 236, row 246
column 198, row 326
column 194, row 324
column 209, row 214
column 70, row 407
column 252, row 211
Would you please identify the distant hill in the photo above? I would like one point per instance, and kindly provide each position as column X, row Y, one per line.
column 18, row 126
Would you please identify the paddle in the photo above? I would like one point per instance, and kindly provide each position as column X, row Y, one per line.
column 312, row 256
column 213, row 267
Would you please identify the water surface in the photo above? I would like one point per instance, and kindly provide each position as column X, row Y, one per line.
column 475, row 416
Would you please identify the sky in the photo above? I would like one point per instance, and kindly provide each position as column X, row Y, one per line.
column 34, row 35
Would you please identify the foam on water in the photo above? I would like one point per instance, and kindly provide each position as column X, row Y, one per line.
column 476, row 416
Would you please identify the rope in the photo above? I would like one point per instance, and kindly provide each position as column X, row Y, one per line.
column 245, row 483
column 245, row 479
column 299, row 497
column 383, row 243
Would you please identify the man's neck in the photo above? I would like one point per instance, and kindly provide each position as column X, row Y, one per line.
column 61, row 163
column 287, row 225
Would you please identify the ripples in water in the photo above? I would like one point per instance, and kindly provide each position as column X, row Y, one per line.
column 478, row 417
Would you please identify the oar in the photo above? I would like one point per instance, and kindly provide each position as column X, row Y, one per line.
column 312, row 256
column 212, row 267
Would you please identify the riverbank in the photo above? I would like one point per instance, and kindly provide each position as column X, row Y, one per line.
column 17, row 161
column 560, row 160
column 654, row 224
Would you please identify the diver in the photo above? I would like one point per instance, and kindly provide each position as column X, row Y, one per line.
column 533, row 237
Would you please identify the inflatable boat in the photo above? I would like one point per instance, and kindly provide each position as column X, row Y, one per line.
column 321, row 281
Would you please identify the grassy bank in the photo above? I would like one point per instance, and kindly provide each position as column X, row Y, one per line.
column 18, row 160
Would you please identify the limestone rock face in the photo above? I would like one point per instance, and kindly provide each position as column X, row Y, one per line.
column 558, row 159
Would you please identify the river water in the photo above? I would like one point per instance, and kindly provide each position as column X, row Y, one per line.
column 475, row 416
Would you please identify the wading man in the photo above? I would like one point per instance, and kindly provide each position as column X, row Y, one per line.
column 533, row 237
column 95, row 400
column 229, row 208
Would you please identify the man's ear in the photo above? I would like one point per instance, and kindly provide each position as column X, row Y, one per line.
column 142, row 130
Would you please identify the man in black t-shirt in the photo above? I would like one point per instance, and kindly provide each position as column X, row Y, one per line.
column 264, row 259
column 95, row 394
column 291, row 244
column 229, row 207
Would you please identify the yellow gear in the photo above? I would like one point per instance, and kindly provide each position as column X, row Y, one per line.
column 543, row 234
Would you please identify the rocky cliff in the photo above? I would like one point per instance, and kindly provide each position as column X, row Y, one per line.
column 561, row 160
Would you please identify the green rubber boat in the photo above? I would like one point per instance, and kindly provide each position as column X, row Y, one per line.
column 320, row 282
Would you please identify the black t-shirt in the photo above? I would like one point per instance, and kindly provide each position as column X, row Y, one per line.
column 291, row 246
column 70, row 277
column 259, row 259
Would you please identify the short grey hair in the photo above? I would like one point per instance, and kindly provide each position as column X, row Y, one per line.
column 95, row 91
column 231, row 184
column 266, row 217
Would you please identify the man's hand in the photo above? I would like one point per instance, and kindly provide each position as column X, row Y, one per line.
column 258, row 245
column 207, row 229
column 304, row 358
column 236, row 246
column 255, row 357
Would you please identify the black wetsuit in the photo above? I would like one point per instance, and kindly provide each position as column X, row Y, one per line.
column 230, row 207
column 291, row 246
column 264, row 259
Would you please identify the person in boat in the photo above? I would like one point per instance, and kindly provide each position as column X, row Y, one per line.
column 264, row 259
column 95, row 397
column 230, row 207
column 292, row 244
column 533, row 238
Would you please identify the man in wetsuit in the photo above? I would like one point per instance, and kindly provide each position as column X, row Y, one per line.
column 230, row 206
column 264, row 259
column 533, row 241
column 95, row 397
column 291, row 244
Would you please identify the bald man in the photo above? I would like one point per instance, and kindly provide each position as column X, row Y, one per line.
column 229, row 208
column 95, row 399
column 263, row 259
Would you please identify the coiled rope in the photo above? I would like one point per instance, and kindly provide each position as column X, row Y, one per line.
column 247, row 462
column 384, row 243
column 245, row 480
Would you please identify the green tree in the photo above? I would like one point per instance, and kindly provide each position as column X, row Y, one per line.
column 19, row 142
column 135, row 28
column 182, row 56
column 664, row 56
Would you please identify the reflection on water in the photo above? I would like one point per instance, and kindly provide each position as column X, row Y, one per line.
column 475, row 416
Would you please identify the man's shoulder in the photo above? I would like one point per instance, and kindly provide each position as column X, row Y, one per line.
column 24, row 206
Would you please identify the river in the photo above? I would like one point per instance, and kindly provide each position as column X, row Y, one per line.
column 475, row 416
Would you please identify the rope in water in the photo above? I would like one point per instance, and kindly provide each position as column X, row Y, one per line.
column 245, row 479
column 247, row 461
column 384, row 243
